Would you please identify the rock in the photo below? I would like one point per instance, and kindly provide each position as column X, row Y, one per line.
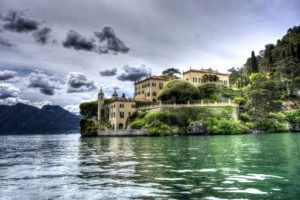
column 196, row 128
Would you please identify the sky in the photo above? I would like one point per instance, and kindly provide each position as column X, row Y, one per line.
column 62, row 51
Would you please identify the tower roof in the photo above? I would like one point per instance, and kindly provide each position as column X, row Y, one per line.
column 101, row 92
column 115, row 94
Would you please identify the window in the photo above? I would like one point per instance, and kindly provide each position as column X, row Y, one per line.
column 148, row 94
column 154, row 93
column 148, row 84
column 121, row 105
column 133, row 106
column 114, row 105
column 143, row 92
column 153, row 84
column 161, row 85
column 129, row 113
column 121, row 114
column 194, row 80
column 199, row 80
column 225, row 82
column 114, row 114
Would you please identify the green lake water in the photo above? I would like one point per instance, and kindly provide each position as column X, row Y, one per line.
column 194, row 167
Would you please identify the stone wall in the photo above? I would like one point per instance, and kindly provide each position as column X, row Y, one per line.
column 125, row 132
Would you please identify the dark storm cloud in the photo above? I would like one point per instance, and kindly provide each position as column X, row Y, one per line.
column 111, row 42
column 7, row 74
column 8, row 91
column 5, row 42
column 133, row 73
column 78, row 82
column 42, row 36
column 107, row 42
column 45, row 83
column 78, row 42
column 109, row 72
column 15, row 21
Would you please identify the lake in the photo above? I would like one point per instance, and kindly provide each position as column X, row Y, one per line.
column 194, row 167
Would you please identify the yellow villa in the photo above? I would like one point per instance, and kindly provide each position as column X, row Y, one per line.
column 119, row 109
column 195, row 76
column 149, row 87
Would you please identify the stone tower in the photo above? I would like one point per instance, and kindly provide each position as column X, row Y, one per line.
column 114, row 95
column 100, row 103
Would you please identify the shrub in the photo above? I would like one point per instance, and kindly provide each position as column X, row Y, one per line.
column 225, row 126
column 293, row 116
column 157, row 128
column 240, row 100
column 244, row 117
column 269, row 125
column 137, row 124
column 88, row 127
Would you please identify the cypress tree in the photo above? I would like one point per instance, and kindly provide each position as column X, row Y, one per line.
column 254, row 63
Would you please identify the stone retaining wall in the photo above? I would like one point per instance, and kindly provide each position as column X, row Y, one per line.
column 125, row 132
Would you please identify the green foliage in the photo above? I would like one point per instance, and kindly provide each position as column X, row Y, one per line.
column 254, row 64
column 225, row 126
column 209, row 91
column 137, row 124
column 171, row 72
column 263, row 94
column 240, row 100
column 157, row 128
column 244, row 117
column 210, row 78
column 293, row 116
column 89, row 109
column 269, row 125
column 183, row 116
column 178, row 91
column 88, row 127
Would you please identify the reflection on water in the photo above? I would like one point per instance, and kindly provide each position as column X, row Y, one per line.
column 220, row 167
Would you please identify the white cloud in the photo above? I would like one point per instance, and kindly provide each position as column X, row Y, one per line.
column 73, row 109
column 40, row 104
column 8, row 91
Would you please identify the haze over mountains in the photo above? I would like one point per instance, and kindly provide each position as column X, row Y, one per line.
column 26, row 119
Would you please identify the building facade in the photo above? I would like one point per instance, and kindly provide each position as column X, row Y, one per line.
column 149, row 88
column 196, row 77
column 119, row 109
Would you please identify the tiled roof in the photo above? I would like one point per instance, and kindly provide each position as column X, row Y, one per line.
column 210, row 71
column 153, row 78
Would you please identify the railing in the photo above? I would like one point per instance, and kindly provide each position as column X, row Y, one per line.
column 162, row 106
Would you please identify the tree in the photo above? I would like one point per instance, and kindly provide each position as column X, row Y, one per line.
column 254, row 63
column 210, row 78
column 263, row 94
column 178, row 91
column 89, row 109
column 234, row 75
column 171, row 72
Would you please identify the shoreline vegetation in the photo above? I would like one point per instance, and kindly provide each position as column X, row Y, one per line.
column 266, row 90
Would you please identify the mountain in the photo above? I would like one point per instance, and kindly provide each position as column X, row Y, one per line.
column 26, row 119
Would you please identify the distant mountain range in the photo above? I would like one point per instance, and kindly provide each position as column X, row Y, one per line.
column 26, row 119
